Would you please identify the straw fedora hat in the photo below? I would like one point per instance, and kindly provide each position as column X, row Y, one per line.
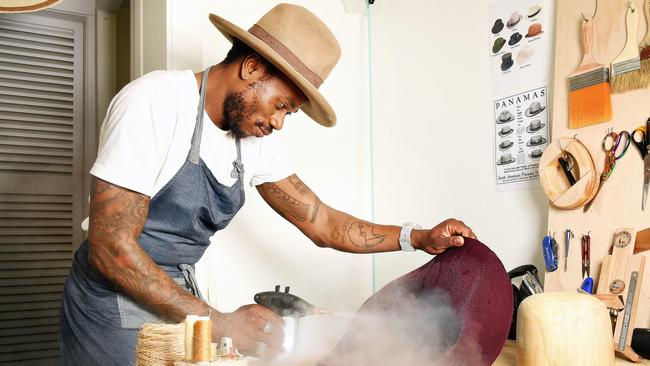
column 299, row 44
column 24, row 6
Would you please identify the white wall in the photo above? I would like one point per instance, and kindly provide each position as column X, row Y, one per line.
column 433, row 150
column 434, row 136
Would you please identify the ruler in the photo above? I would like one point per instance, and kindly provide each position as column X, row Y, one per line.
column 628, row 311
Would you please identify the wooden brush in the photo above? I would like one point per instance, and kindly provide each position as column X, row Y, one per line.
column 590, row 99
column 645, row 51
column 626, row 68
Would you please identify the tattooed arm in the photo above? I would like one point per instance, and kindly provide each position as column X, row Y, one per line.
column 117, row 217
column 327, row 227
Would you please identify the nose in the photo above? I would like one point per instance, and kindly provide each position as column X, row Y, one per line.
column 277, row 122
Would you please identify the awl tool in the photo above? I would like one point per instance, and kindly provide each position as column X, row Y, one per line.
column 568, row 235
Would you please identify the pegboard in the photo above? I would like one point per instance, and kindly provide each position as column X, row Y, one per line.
column 618, row 204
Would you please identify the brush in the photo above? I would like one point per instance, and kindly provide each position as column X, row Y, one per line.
column 645, row 51
column 589, row 91
column 626, row 68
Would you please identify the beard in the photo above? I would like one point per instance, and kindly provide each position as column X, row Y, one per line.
column 236, row 110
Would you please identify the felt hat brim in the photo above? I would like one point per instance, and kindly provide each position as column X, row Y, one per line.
column 316, row 106
column 25, row 6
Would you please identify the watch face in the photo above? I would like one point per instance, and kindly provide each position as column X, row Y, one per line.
column 622, row 239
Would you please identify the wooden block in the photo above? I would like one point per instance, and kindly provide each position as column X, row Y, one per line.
column 563, row 328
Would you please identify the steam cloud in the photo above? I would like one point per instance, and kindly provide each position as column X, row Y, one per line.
column 406, row 330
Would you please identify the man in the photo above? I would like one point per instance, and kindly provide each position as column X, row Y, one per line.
column 163, row 183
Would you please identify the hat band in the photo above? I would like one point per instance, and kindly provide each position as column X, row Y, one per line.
column 287, row 55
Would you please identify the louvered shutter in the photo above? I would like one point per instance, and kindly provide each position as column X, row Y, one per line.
column 41, row 179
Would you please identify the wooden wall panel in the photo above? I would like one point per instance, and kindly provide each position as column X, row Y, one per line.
column 618, row 204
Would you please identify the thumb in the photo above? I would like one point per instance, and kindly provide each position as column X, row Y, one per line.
column 456, row 241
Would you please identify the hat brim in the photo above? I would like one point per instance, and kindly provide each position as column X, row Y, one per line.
column 505, row 134
column 529, row 130
column 504, row 148
column 512, row 160
column 534, row 35
column 532, row 15
column 528, row 113
column 28, row 6
column 542, row 141
column 316, row 106
column 506, row 121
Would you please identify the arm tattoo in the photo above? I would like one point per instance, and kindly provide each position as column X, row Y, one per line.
column 117, row 219
column 298, row 184
column 315, row 213
column 286, row 205
column 360, row 233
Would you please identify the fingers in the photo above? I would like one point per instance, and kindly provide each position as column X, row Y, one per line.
column 457, row 227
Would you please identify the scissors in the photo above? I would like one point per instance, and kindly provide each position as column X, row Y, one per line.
column 641, row 139
column 611, row 143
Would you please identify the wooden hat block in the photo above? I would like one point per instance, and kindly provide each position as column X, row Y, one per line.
column 562, row 328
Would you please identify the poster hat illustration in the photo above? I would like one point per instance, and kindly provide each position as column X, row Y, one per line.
column 535, row 126
column 524, row 55
column 25, row 6
column 534, row 109
column 513, row 20
column 478, row 291
column 505, row 116
column 497, row 27
column 498, row 44
column 534, row 10
column 536, row 140
column 505, row 159
column 515, row 38
column 506, row 61
column 299, row 44
column 505, row 145
column 505, row 131
column 536, row 154
column 534, row 30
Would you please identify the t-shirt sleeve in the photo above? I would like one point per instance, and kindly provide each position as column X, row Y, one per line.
column 130, row 144
column 274, row 164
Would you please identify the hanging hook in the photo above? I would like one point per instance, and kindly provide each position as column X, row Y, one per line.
column 595, row 11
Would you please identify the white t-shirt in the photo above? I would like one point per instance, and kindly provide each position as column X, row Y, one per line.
column 147, row 134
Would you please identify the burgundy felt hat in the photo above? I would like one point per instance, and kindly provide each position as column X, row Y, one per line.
column 473, row 281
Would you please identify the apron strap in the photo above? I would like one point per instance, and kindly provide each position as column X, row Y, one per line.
column 198, row 126
column 190, row 279
column 238, row 166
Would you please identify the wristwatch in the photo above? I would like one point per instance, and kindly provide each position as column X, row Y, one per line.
column 405, row 236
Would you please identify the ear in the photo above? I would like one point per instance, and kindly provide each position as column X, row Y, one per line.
column 252, row 68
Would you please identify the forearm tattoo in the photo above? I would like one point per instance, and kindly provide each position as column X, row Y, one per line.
column 359, row 233
column 314, row 215
column 117, row 219
column 286, row 205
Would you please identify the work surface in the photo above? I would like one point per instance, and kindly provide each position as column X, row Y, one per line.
column 508, row 357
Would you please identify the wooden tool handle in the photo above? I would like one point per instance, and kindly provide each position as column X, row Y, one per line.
column 646, row 9
column 588, row 60
column 631, row 49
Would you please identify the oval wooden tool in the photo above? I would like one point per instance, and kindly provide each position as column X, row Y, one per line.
column 554, row 182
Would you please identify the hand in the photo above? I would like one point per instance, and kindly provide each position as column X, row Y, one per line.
column 254, row 329
column 447, row 234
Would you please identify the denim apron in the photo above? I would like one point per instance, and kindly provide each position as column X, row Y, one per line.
column 99, row 323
